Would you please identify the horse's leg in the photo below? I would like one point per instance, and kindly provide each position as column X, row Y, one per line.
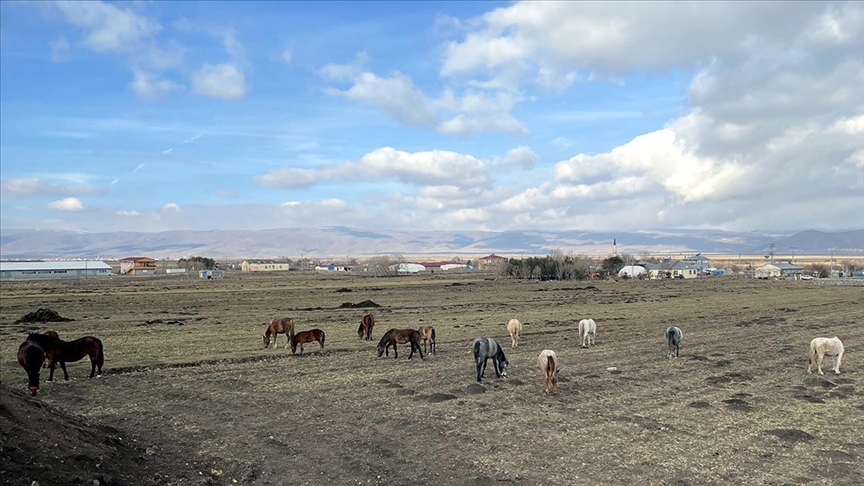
column 395, row 350
column 495, row 364
column 65, row 374
column 51, row 366
column 418, row 349
column 819, row 358
column 837, row 363
column 92, row 367
column 481, row 368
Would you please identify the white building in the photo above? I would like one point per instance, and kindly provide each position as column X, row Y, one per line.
column 59, row 269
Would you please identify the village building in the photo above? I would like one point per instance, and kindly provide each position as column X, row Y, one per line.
column 58, row 269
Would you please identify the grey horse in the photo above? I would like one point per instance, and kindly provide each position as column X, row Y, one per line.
column 485, row 348
column 673, row 340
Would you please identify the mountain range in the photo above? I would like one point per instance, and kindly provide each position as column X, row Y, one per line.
column 341, row 242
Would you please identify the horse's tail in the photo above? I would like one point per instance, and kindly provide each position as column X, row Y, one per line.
column 100, row 355
column 322, row 338
column 433, row 334
column 476, row 349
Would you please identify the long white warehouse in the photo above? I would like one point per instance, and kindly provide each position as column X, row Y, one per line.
column 58, row 269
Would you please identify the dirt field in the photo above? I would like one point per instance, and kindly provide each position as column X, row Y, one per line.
column 191, row 397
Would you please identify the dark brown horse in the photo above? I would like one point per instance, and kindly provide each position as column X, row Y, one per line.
column 399, row 336
column 57, row 350
column 427, row 334
column 307, row 337
column 51, row 332
column 366, row 325
column 279, row 325
column 30, row 357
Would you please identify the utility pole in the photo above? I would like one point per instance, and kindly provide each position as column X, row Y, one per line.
column 792, row 249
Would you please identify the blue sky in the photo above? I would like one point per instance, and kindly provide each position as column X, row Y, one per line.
column 153, row 116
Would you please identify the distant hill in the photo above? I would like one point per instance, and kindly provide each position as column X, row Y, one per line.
column 341, row 242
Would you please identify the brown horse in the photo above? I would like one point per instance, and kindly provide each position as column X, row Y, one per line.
column 427, row 333
column 57, row 350
column 399, row 336
column 279, row 325
column 366, row 325
column 51, row 332
column 307, row 337
column 30, row 357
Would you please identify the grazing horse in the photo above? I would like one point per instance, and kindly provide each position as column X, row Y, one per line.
column 548, row 362
column 30, row 357
column 307, row 337
column 427, row 334
column 399, row 336
column 279, row 325
column 587, row 332
column 366, row 325
column 673, row 340
column 514, row 327
column 485, row 348
column 57, row 350
column 821, row 347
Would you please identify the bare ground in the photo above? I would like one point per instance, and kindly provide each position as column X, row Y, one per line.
column 194, row 398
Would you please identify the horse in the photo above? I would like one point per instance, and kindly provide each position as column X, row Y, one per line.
column 673, row 340
column 30, row 357
column 306, row 337
column 485, row 348
column 514, row 327
column 279, row 325
column 587, row 332
column 821, row 347
column 399, row 336
column 50, row 332
column 57, row 350
column 366, row 325
column 427, row 334
column 548, row 362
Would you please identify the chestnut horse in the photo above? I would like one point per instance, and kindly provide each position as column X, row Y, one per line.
column 366, row 325
column 427, row 333
column 57, row 350
column 399, row 336
column 30, row 357
column 307, row 337
column 279, row 325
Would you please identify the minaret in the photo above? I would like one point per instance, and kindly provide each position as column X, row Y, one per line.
column 614, row 247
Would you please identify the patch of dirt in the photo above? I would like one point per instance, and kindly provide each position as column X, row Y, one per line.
column 790, row 435
column 440, row 397
column 358, row 305
column 169, row 322
column 738, row 405
column 43, row 315
column 343, row 290
column 475, row 389
column 43, row 444
column 699, row 405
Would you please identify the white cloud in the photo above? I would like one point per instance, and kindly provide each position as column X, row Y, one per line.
column 126, row 213
column 287, row 55
column 150, row 87
column 225, row 81
column 476, row 110
column 171, row 207
column 32, row 186
column 227, row 193
column 108, row 28
column 427, row 168
column 562, row 142
column 60, row 51
column 67, row 204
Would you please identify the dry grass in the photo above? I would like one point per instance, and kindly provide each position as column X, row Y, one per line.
column 736, row 407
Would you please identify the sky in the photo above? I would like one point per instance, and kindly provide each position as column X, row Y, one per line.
column 153, row 116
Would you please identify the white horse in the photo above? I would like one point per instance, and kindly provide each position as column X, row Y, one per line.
column 587, row 332
column 548, row 362
column 821, row 347
column 514, row 327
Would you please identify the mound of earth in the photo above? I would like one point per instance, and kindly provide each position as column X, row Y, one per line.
column 41, row 444
column 365, row 303
column 43, row 315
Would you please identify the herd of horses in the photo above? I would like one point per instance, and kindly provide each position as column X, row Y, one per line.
column 39, row 348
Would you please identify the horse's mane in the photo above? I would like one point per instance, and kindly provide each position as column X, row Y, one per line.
column 43, row 339
column 500, row 354
column 386, row 337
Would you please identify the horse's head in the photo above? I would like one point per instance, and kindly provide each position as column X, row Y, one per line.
column 503, row 366
column 266, row 340
column 33, row 389
column 380, row 349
